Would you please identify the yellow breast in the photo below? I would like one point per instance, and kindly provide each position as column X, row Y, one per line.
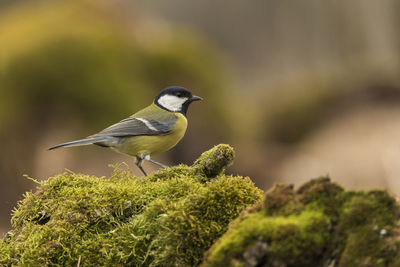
column 151, row 145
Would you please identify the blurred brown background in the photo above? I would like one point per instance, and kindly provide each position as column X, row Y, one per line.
column 299, row 88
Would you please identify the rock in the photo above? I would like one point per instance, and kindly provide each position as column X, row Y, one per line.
column 169, row 218
column 320, row 224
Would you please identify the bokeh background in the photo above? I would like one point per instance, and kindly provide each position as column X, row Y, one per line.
column 299, row 88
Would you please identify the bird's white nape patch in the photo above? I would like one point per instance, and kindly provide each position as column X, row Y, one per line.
column 147, row 123
column 171, row 102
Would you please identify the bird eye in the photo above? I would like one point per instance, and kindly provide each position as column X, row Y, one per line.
column 178, row 94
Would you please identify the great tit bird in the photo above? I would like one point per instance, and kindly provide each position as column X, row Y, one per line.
column 152, row 130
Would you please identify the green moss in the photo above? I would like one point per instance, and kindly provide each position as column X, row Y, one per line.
column 318, row 225
column 172, row 217
column 298, row 236
column 213, row 162
column 368, row 218
column 168, row 218
column 279, row 196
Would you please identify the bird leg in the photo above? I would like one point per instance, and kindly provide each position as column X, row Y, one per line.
column 157, row 163
column 141, row 157
column 141, row 168
column 138, row 162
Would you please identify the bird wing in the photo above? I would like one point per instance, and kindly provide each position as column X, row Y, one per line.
column 134, row 126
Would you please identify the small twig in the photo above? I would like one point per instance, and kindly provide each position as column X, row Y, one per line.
column 79, row 261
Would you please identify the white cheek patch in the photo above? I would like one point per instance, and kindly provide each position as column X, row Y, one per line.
column 171, row 102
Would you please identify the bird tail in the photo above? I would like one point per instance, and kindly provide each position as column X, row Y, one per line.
column 83, row 142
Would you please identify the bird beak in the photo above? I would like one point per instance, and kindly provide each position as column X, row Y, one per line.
column 195, row 98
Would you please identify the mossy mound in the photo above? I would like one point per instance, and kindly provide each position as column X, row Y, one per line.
column 166, row 219
column 320, row 224
column 172, row 217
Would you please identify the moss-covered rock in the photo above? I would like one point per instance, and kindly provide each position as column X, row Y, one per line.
column 166, row 219
column 188, row 215
column 320, row 224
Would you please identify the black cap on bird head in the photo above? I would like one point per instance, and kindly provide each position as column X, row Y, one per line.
column 175, row 99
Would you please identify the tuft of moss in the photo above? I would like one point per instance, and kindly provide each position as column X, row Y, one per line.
column 214, row 161
column 278, row 196
column 166, row 219
column 320, row 224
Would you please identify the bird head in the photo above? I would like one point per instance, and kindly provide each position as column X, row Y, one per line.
column 175, row 99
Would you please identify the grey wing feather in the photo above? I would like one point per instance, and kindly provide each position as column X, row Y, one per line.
column 137, row 126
